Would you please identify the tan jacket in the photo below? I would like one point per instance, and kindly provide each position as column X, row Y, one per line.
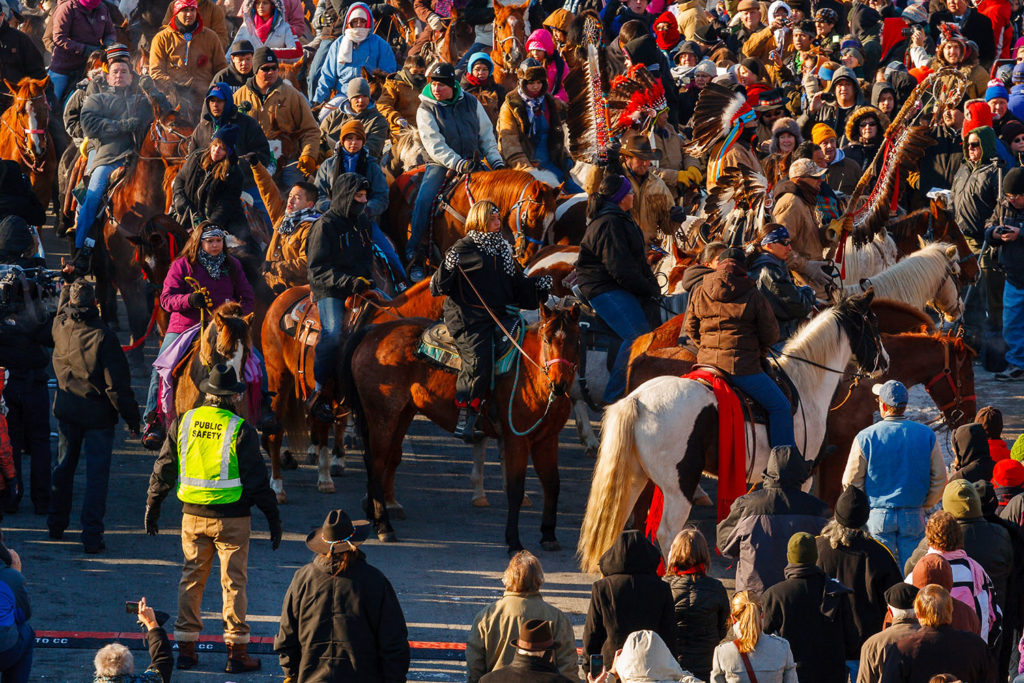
column 398, row 100
column 651, row 205
column 761, row 43
column 168, row 67
column 799, row 218
column 872, row 652
column 213, row 19
column 284, row 115
column 286, row 255
column 691, row 17
column 673, row 158
column 514, row 142
column 487, row 647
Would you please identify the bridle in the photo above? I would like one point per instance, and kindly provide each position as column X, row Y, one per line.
column 517, row 223
column 35, row 163
column 160, row 134
column 950, row 377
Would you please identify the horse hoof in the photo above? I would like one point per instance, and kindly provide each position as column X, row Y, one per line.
column 312, row 457
column 527, row 503
column 325, row 486
column 591, row 452
column 396, row 511
column 703, row 501
column 288, row 461
column 387, row 537
column 551, row 545
column 481, row 502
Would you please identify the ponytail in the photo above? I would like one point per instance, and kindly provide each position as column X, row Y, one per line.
column 746, row 615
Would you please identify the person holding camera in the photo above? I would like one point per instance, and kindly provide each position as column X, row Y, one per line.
column 1003, row 235
column 114, row 662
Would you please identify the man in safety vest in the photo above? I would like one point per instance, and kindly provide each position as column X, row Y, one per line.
column 213, row 457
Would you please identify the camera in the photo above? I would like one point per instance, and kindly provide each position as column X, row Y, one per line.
column 42, row 284
column 907, row 32
column 785, row 21
column 131, row 607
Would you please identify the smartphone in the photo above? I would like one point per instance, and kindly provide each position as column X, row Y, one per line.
column 596, row 664
column 131, row 607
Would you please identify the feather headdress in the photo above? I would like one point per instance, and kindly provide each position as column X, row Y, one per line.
column 719, row 114
column 736, row 206
column 586, row 119
column 636, row 99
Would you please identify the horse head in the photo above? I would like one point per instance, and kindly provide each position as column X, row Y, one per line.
column 560, row 342
column 510, row 34
column 32, row 112
column 376, row 80
column 947, row 300
column 952, row 389
column 408, row 150
column 226, row 338
column 168, row 138
column 945, row 229
column 531, row 218
column 861, row 326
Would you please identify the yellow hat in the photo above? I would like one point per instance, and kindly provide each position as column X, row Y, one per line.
column 821, row 132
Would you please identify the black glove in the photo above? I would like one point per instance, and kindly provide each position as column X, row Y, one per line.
column 360, row 285
column 152, row 515
column 13, row 488
column 131, row 125
column 275, row 532
column 677, row 214
column 196, row 300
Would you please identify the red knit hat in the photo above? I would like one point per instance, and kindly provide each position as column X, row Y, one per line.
column 1009, row 473
column 976, row 115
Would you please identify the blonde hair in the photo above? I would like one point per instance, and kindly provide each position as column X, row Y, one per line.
column 689, row 549
column 114, row 660
column 479, row 215
column 933, row 606
column 524, row 573
column 746, row 614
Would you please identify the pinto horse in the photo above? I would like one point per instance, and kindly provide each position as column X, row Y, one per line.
column 386, row 384
column 509, row 42
column 25, row 138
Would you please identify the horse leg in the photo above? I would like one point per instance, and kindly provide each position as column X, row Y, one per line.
column 324, row 483
column 584, row 430
column 395, row 508
column 545, row 463
column 382, row 452
column 338, row 452
column 516, row 451
column 476, row 477
column 527, row 503
column 674, row 516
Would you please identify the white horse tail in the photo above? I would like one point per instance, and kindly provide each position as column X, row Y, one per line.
column 617, row 464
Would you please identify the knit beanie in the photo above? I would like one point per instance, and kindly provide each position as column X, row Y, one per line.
column 976, row 115
column 961, row 499
column 996, row 90
column 852, row 508
column 1008, row 473
column 991, row 418
column 358, row 86
column 1017, row 452
column 353, row 127
column 802, row 549
column 821, row 132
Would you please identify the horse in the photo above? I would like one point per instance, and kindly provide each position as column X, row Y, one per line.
column 671, row 414
column 510, row 29
column 25, row 138
column 868, row 260
column 386, row 384
column 937, row 224
column 457, row 38
column 407, row 152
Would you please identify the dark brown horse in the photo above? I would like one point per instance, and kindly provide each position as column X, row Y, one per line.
column 387, row 384
column 935, row 224
column 25, row 138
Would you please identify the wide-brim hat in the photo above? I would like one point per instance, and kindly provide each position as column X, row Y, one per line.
column 640, row 147
column 770, row 99
column 337, row 528
column 535, row 636
column 222, row 382
column 707, row 34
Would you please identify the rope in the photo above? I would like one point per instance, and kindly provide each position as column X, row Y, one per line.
column 149, row 328
column 515, row 386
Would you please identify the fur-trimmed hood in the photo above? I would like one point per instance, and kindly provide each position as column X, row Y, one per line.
column 860, row 113
column 784, row 125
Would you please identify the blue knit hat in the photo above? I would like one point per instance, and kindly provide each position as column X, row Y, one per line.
column 479, row 57
column 1018, row 74
column 996, row 90
column 228, row 135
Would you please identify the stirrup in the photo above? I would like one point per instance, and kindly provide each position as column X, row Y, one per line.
column 465, row 425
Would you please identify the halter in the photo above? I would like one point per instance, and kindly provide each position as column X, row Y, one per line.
column 518, row 234
column 952, row 378
column 28, row 155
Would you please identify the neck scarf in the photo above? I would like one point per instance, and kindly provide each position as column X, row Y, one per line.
column 349, row 160
column 214, row 265
column 489, row 243
column 473, row 80
column 263, row 26
column 293, row 219
column 534, row 108
column 352, row 38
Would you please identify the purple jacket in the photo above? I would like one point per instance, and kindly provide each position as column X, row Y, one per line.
column 75, row 28
column 174, row 297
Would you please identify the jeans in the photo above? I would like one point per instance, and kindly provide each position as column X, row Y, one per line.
column 87, row 211
column 388, row 250
column 96, row 444
column 430, row 186
column 325, row 364
column 1013, row 324
column 474, row 48
column 570, row 185
column 28, row 422
column 154, row 379
column 621, row 311
column 313, row 75
column 853, row 666
column 766, row 392
column 16, row 661
column 898, row 529
column 60, row 86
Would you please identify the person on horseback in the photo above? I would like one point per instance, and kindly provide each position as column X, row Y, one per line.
column 455, row 129
column 497, row 287
column 340, row 257
column 198, row 281
column 790, row 303
column 359, row 48
column 209, row 187
column 358, row 106
column 79, row 28
column 239, row 68
column 613, row 273
column 479, row 82
column 184, row 56
column 733, row 325
column 400, row 97
column 285, row 264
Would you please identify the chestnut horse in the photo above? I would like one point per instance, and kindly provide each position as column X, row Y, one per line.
column 24, row 135
column 509, row 43
column 935, row 224
column 386, row 384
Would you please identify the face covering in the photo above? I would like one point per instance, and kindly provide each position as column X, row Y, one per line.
column 355, row 209
column 357, row 35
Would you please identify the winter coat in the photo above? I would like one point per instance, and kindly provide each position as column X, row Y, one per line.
column 868, row 568
column 1010, row 256
column 971, row 585
column 613, row 257
column 161, row 658
column 645, row 658
column 286, row 262
column 95, row 81
column 230, row 76
column 811, row 611
column 374, row 125
column 874, row 651
column 526, row 669
column 495, row 626
column 702, row 619
column 400, row 100
column 771, row 660
column 790, row 304
column 971, row 460
column 555, row 66
column 230, row 286
column 942, row 160
column 250, row 140
column 975, row 26
column 989, row 544
column 513, row 132
column 347, row 626
column 280, row 39
column 284, row 115
column 368, row 167
column 456, row 129
column 19, row 58
column 116, row 121
column 739, row 154
column 76, row 32
column 176, row 63
column 731, row 322
column 917, row 657
column 629, row 598
column 760, row 523
column 691, row 17
column 843, row 173
column 214, row 18
column 93, row 381
column 489, row 94
column 340, row 246
column 203, row 197
column 830, row 112
column 372, row 54
column 651, row 204
column 673, row 158
column 975, row 193
column 793, row 211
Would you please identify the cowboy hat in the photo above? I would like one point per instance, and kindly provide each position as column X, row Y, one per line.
column 640, row 147
column 337, row 528
column 534, row 636
column 222, row 382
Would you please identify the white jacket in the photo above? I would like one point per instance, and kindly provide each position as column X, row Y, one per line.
column 646, row 658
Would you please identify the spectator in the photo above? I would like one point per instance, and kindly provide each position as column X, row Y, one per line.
column 114, row 662
column 1007, row 480
column 357, row 107
column 1002, row 234
column 934, row 568
column 971, row 460
column 701, row 603
column 759, row 521
column 645, row 658
column 496, row 627
column 341, row 619
column 17, row 639
column 753, row 656
column 534, row 660
column 900, row 599
column 991, row 420
column 359, row 48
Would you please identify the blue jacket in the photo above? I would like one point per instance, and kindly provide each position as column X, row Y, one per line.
column 898, row 453
column 372, row 53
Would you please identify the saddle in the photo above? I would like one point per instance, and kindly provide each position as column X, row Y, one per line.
column 755, row 413
column 301, row 322
column 409, row 185
column 437, row 346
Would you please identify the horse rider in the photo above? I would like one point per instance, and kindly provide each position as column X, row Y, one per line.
column 359, row 48
column 399, row 99
column 654, row 204
column 613, row 273
column 733, row 325
column 184, row 56
column 286, row 264
column 212, row 457
column 790, row 302
column 358, row 106
column 340, row 254
column 80, row 27
column 209, row 186
column 481, row 278
column 454, row 129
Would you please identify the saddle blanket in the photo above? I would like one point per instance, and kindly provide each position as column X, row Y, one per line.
column 436, row 345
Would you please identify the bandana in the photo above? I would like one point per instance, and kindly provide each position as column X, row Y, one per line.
column 474, row 81
column 534, row 108
column 212, row 231
column 293, row 219
column 489, row 243
column 214, row 265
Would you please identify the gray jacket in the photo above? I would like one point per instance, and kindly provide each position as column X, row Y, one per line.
column 456, row 129
column 369, row 168
column 772, row 662
column 116, row 120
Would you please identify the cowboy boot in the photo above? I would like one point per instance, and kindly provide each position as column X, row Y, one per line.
column 465, row 425
column 187, row 657
column 155, row 433
column 239, row 660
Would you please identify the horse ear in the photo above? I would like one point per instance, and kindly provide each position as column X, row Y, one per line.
column 10, row 88
column 951, row 252
column 865, row 284
column 366, row 73
column 921, row 242
column 869, row 295
column 248, row 319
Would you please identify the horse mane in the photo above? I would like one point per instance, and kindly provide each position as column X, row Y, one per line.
column 958, row 343
column 505, row 184
column 813, row 342
column 904, row 308
column 904, row 280
column 901, row 228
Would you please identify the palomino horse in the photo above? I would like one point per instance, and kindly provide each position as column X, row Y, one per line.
column 289, row 365
column 673, row 415
column 387, row 384
column 509, row 42
column 24, row 136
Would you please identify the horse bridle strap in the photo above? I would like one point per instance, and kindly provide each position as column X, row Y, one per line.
column 947, row 374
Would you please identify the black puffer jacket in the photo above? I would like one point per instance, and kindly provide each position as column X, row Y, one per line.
column 975, row 193
column 199, row 194
column 613, row 256
column 339, row 247
column 702, row 620
column 630, row 597
column 251, row 139
column 943, row 159
column 344, row 627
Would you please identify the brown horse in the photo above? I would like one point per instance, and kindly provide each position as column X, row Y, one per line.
column 936, row 224
column 24, row 136
column 509, row 42
column 458, row 37
column 386, row 384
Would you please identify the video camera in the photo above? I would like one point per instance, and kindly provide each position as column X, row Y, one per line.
column 43, row 284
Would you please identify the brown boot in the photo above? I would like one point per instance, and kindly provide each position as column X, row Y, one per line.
column 187, row 657
column 239, row 660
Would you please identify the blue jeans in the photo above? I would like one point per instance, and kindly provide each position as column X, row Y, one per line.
column 154, row 379
column 430, row 186
column 621, row 311
column 898, row 529
column 1013, row 324
column 16, row 661
column 766, row 392
column 60, row 85
column 313, row 75
column 570, row 185
column 390, row 255
column 325, row 364
column 474, row 48
column 853, row 666
column 87, row 211
column 97, row 444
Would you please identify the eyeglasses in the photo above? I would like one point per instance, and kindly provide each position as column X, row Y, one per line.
column 268, row 68
column 785, row 243
column 865, row 124
column 973, row 145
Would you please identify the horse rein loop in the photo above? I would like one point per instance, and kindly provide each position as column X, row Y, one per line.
column 947, row 374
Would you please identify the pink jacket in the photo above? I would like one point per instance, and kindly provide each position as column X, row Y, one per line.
column 973, row 586
column 557, row 68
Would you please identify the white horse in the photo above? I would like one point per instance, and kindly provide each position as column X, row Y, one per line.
column 665, row 429
column 870, row 259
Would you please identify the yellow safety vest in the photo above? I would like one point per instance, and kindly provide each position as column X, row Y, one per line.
column 207, row 460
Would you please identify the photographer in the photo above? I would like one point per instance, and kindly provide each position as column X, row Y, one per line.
column 1003, row 235
column 114, row 662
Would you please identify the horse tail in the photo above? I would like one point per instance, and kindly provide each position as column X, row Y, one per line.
column 609, row 500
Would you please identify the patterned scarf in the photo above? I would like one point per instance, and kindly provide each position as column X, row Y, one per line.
column 534, row 108
column 214, row 265
column 293, row 219
column 490, row 243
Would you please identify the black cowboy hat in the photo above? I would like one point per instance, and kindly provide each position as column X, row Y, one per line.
column 337, row 528
column 640, row 147
column 770, row 99
column 222, row 382
column 535, row 636
column 707, row 34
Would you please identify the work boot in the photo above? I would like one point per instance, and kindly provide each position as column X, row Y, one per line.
column 465, row 425
column 155, row 433
column 268, row 423
column 239, row 660
column 187, row 657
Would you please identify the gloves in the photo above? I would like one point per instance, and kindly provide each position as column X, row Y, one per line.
column 152, row 515
column 816, row 273
column 196, row 300
column 361, row 284
column 275, row 532
column 402, row 123
column 689, row 177
column 130, row 125
column 677, row 214
column 307, row 165
column 435, row 22
column 463, row 166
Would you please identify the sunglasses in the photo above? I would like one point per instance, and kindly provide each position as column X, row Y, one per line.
column 268, row 68
column 973, row 145
column 1019, row 138
column 785, row 243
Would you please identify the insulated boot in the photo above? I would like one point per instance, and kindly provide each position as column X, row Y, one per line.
column 239, row 660
column 187, row 657
column 465, row 425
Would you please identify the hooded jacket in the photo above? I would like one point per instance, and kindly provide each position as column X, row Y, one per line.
column 631, row 597
column 400, row 99
column 366, row 166
column 198, row 194
column 830, row 112
column 976, row 187
column 250, row 140
column 971, row 459
column 340, row 246
column 760, row 524
column 613, row 256
column 179, row 63
column 372, row 54
column 231, row 76
column 456, row 129
column 280, row 38
column 646, row 658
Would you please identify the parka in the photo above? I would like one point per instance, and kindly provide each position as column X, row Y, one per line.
column 202, row 196
column 400, row 99
column 339, row 249
column 702, row 619
column 372, row 54
column 250, row 140
column 284, row 115
column 514, row 140
column 613, row 256
column 976, row 187
column 175, row 62
column 77, row 31
column 280, row 39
